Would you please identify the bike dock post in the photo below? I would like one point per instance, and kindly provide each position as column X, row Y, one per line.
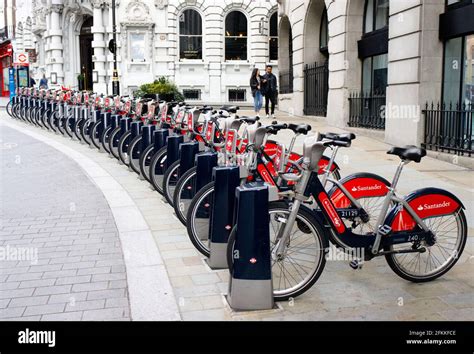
column 125, row 125
column 77, row 118
column 187, row 158
column 95, row 118
column 160, row 137
column 250, row 286
column 172, row 156
column 106, row 119
column 226, row 179
column 205, row 163
column 148, row 135
column 135, row 130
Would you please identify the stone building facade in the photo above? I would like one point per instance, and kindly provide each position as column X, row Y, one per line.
column 385, row 60
column 208, row 47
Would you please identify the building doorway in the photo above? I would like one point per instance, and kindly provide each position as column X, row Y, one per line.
column 86, row 53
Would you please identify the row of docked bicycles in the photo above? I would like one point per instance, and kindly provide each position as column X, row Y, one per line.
column 421, row 235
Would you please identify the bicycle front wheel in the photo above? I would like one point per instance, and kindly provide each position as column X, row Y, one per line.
column 184, row 193
column 198, row 219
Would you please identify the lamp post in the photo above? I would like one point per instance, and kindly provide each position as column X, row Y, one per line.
column 115, row 78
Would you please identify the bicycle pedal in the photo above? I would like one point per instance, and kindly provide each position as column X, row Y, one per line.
column 356, row 264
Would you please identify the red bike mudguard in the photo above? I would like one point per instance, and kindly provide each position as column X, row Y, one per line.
column 324, row 162
column 426, row 203
column 359, row 185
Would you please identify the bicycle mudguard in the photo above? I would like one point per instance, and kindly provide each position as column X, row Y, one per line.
column 359, row 185
column 324, row 162
column 426, row 202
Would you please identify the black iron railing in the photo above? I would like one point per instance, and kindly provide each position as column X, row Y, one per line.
column 367, row 110
column 286, row 82
column 316, row 88
column 449, row 128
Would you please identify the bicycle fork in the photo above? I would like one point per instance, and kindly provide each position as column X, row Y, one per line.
column 284, row 233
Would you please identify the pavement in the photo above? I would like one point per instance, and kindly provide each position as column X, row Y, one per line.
column 4, row 101
column 147, row 232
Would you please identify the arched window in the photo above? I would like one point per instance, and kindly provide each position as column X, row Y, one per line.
column 376, row 15
column 236, row 36
column 324, row 34
column 190, row 35
column 273, row 38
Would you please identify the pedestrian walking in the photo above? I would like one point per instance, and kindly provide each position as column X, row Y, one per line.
column 270, row 91
column 256, row 82
column 32, row 81
column 43, row 82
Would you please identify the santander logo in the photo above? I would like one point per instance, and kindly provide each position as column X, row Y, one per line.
column 375, row 187
column 433, row 206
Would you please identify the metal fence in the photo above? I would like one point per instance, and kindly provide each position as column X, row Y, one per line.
column 449, row 128
column 367, row 110
column 316, row 88
column 286, row 82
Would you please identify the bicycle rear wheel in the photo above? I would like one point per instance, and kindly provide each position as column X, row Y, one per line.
column 450, row 233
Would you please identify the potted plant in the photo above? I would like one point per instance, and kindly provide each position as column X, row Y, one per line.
column 161, row 88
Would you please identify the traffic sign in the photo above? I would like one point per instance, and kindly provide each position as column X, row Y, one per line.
column 22, row 59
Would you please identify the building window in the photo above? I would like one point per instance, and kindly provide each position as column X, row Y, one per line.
column 137, row 47
column 274, row 37
column 237, row 95
column 374, row 74
column 324, row 34
column 236, row 36
column 192, row 95
column 458, row 77
column 190, row 35
column 376, row 15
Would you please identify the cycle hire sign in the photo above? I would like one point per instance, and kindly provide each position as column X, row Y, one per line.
column 22, row 59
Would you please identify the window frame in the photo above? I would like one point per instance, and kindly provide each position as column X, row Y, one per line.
column 188, row 36
column 136, row 31
column 246, row 37
column 461, row 72
column 270, row 38
column 324, row 21
column 374, row 18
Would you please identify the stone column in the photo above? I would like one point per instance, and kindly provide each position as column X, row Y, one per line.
column 414, row 70
column 345, row 29
column 258, row 36
column 98, row 44
column 214, row 51
column 55, row 46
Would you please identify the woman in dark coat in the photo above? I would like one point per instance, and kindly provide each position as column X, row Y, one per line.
column 256, row 82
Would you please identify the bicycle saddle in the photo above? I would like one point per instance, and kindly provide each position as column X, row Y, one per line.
column 409, row 152
column 248, row 120
column 347, row 137
column 300, row 128
column 230, row 109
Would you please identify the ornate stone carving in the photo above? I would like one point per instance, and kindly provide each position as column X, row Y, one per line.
column 57, row 8
column 138, row 12
column 161, row 4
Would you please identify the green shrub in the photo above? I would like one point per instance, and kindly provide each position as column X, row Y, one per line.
column 163, row 87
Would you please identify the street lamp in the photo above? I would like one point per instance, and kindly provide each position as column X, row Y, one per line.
column 113, row 48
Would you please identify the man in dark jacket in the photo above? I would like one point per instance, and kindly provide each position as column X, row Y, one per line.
column 270, row 91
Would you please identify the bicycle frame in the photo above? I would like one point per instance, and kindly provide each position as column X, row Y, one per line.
column 310, row 185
